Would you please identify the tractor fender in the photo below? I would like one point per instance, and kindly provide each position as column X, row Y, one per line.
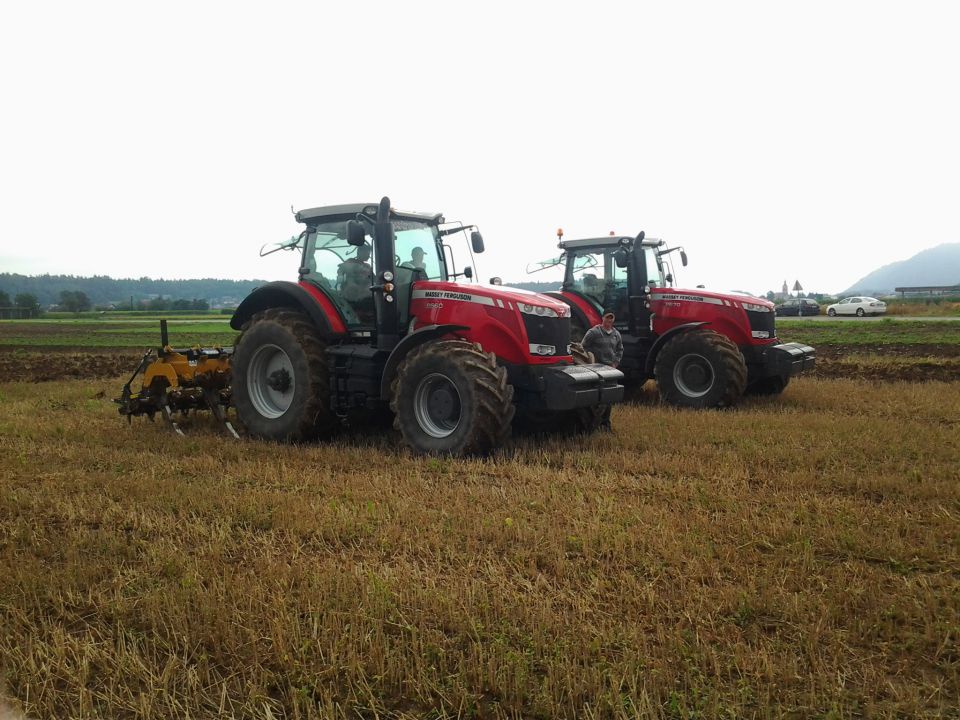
column 414, row 339
column 664, row 339
column 292, row 295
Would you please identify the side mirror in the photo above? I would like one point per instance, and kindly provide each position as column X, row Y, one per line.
column 496, row 281
column 683, row 258
column 620, row 258
column 669, row 278
column 356, row 235
column 476, row 240
column 468, row 272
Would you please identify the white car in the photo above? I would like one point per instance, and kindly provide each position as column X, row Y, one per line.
column 858, row 306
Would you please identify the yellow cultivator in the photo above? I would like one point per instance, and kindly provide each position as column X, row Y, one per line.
column 180, row 380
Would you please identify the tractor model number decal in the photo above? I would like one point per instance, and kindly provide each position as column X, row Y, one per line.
column 436, row 295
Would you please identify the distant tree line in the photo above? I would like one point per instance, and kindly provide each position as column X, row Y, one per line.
column 127, row 293
column 23, row 305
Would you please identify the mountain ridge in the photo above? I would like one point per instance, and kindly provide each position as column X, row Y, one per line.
column 939, row 265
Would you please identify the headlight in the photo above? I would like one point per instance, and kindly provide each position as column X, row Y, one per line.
column 755, row 307
column 537, row 310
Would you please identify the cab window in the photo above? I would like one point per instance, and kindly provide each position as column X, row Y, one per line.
column 597, row 276
column 344, row 271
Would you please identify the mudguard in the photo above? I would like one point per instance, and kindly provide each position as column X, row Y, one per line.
column 577, row 303
column 324, row 315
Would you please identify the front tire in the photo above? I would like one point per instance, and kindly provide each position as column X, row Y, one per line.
column 451, row 398
column 860, row 312
column 281, row 385
column 700, row 369
column 831, row 312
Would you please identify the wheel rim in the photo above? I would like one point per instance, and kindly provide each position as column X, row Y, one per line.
column 860, row 312
column 693, row 375
column 270, row 381
column 436, row 405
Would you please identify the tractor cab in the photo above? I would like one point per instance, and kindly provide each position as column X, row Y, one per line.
column 341, row 259
column 615, row 273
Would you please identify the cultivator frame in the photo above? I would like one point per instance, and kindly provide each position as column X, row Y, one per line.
column 179, row 380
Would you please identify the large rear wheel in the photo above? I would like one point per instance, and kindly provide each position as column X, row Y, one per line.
column 451, row 398
column 700, row 369
column 281, row 384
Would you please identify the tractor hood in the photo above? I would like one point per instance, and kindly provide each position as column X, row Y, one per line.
column 494, row 295
column 713, row 297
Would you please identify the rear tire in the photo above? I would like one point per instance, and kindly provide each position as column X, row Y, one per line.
column 281, row 387
column 700, row 369
column 451, row 398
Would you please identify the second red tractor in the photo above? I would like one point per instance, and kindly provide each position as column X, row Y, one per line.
column 703, row 348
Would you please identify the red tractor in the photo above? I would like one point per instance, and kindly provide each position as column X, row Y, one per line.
column 705, row 349
column 377, row 323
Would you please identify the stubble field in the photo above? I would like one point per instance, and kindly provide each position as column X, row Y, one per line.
column 794, row 556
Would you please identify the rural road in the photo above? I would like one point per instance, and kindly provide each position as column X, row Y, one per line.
column 853, row 318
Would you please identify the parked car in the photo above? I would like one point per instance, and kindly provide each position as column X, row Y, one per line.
column 859, row 306
column 799, row 306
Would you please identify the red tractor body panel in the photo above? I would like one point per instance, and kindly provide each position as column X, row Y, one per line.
column 519, row 326
column 723, row 313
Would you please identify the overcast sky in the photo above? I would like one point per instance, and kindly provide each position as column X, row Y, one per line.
column 807, row 141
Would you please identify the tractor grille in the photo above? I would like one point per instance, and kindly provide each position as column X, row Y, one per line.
column 548, row 331
column 762, row 322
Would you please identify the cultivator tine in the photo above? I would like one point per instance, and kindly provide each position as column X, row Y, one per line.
column 168, row 414
column 213, row 402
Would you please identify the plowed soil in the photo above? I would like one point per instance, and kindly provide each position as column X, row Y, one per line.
column 885, row 363
column 912, row 363
column 33, row 365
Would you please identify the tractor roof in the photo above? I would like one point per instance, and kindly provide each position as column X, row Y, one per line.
column 606, row 242
column 311, row 216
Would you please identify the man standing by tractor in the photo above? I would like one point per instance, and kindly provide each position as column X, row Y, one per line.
column 605, row 343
